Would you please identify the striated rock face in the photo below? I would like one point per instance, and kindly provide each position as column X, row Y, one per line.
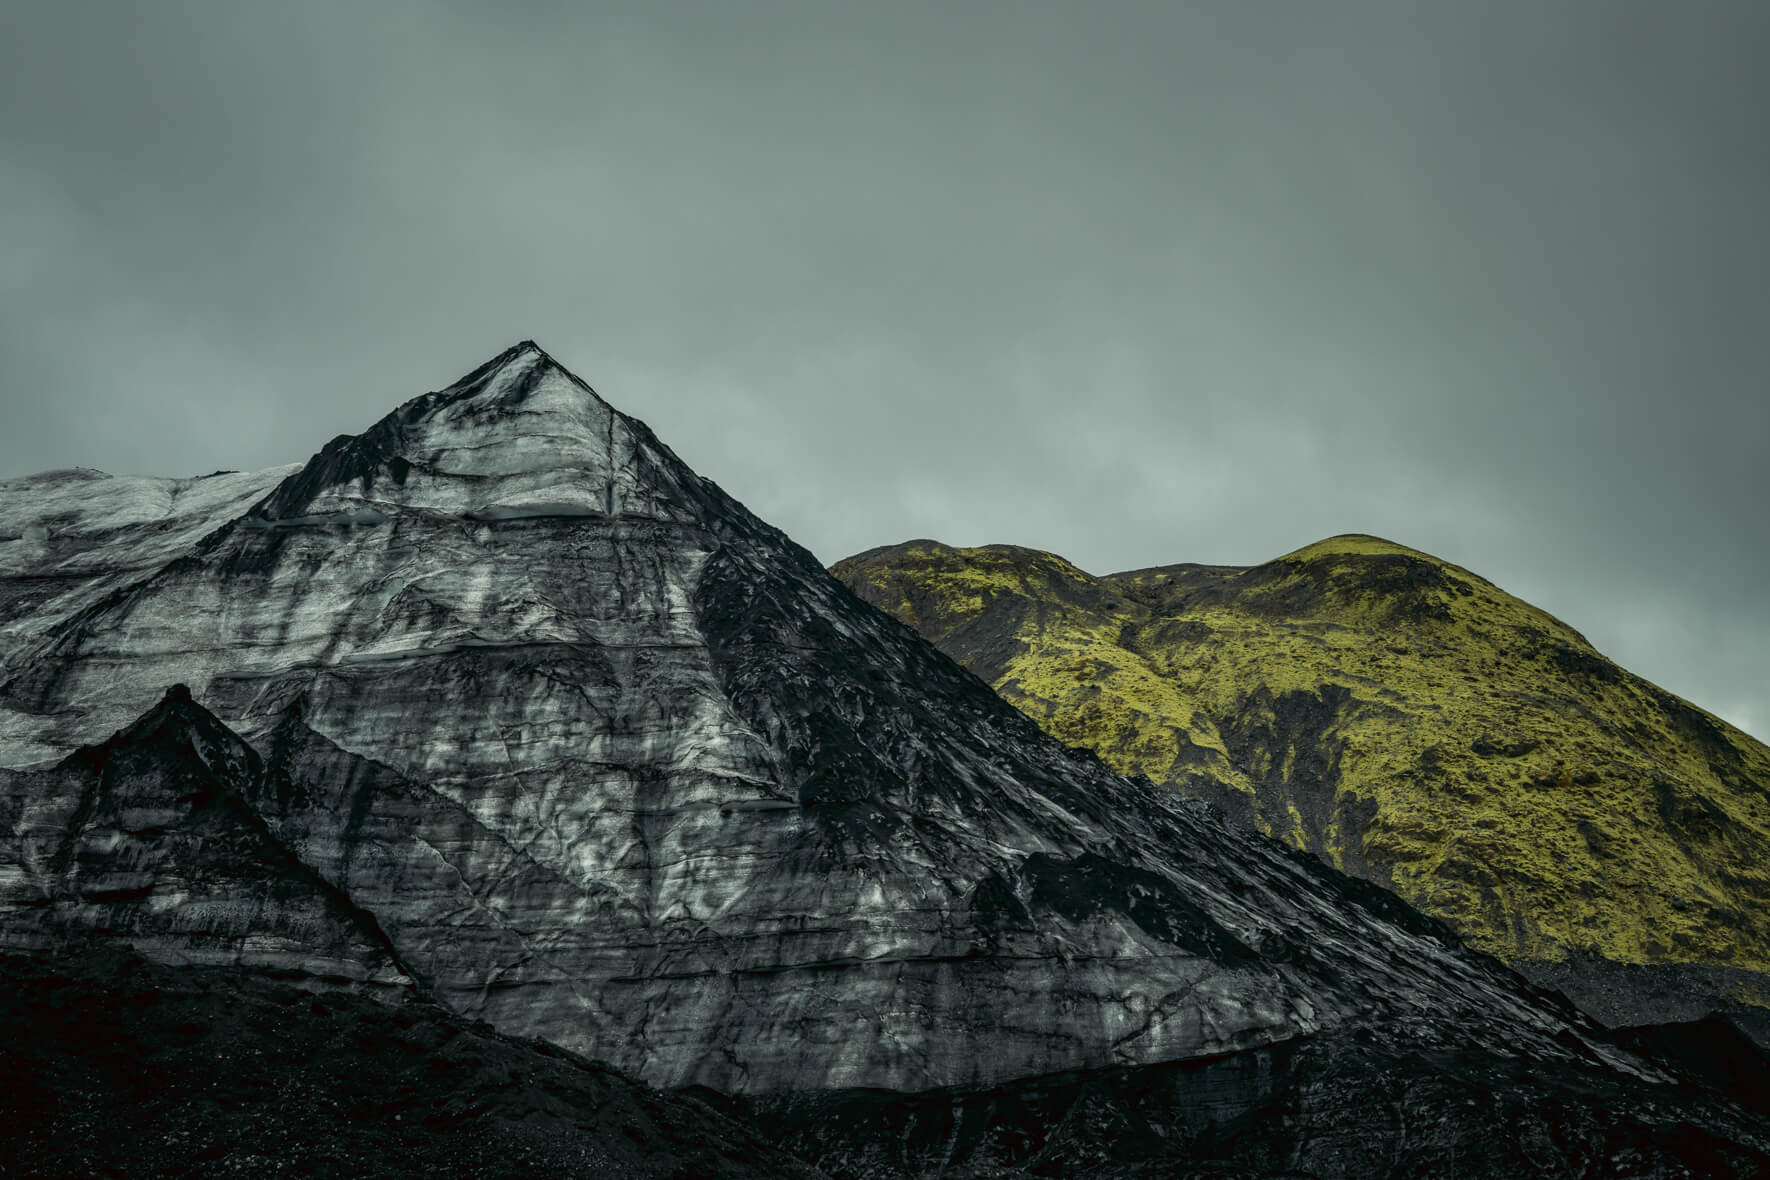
column 565, row 736
column 69, row 538
column 1410, row 723
column 149, row 837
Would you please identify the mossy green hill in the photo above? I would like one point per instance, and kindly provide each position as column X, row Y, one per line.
column 1408, row 721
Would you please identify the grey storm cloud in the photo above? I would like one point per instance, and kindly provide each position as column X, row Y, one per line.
column 1134, row 283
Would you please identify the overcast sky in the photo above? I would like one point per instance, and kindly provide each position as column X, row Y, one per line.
column 1137, row 283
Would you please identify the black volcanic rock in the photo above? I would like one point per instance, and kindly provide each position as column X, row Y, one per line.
column 599, row 757
column 1713, row 1053
column 118, row 1067
column 1334, row 1106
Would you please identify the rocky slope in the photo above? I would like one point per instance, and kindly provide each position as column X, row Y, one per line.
column 500, row 703
column 1407, row 721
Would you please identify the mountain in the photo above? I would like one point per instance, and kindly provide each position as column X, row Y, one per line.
column 1410, row 723
column 499, row 705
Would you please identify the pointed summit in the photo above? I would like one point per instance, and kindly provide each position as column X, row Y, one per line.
column 518, row 437
column 177, row 726
column 511, row 379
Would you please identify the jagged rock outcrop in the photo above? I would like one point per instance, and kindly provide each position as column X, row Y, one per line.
column 599, row 757
column 1410, row 723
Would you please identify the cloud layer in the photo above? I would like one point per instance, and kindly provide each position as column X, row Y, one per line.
column 1135, row 283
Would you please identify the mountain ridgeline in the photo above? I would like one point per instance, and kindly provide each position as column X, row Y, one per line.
column 1410, row 723
column 499, row 714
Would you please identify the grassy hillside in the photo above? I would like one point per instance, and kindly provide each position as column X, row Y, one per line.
column 1405, row 719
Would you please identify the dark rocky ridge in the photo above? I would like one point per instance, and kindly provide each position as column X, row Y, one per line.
column 596, row 756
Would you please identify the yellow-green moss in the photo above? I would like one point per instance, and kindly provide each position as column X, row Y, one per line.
column 1514, row 782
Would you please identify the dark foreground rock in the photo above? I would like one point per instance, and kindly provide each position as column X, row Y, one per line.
column 115, row 1066
column 120, row 1067
column 1322, row 1107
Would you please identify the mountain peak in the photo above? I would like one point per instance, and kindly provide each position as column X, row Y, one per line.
column 176, row 723
column 520, row 436
column 1355, row 544
column 510, row 380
